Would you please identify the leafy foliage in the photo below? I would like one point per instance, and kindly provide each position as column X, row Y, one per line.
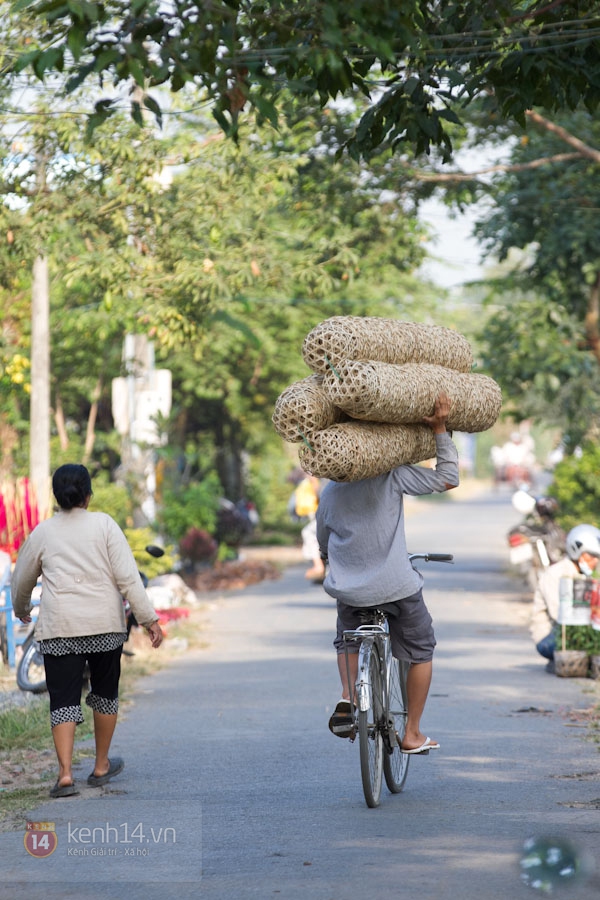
column 581, row 637
column 532, row 347
column 576, row 486
column 152, row 566
column 416, row 63
column 543, row 335
column 113, row 499
column 198, row 546
column 550, row 212
column 224, row 257
column 193, row 506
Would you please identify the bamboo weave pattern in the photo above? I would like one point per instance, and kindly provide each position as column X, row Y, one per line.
column 381, row 392
column 303, row 408
column 384, row 340
column 351, row 451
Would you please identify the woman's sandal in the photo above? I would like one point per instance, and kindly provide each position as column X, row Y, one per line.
column 65, row 790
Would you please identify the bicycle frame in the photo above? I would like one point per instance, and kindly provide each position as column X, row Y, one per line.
column 378, row 634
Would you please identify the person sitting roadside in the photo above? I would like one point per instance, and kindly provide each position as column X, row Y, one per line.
column 582, row 545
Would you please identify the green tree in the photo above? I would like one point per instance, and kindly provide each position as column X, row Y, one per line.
column 543, row 333
column 263, row 242
column 416, row 64
column 84, row 208
column 225, row 261
column 576, row 486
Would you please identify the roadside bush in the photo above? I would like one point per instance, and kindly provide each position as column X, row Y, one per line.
column 197, row 546
column 138, row 539
column 193, row 506
column 576, row 486
column 113, row 499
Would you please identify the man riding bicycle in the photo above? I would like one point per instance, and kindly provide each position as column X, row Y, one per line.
column 360, row 529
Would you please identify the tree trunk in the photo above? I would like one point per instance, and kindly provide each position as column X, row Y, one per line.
column 90, row 434
column 59, row 421
column 592, row 319
column 39, row 453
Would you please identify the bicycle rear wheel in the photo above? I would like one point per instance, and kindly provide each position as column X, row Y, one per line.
column 395, row 765
column 370, row 738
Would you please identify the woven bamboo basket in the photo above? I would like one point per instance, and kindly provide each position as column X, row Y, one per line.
column 304, row 408
column 381, row 392
column 571, row 663
column 352, row 451
column 384, row 340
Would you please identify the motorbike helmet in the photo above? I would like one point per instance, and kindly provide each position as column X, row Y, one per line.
column 582, row 539
column 546, row 507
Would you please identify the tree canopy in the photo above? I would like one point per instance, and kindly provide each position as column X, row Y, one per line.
column 415, row 64
column 221, row 255
column 543, row 334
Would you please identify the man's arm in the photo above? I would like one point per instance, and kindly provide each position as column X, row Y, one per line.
column 417, row 480
column 437, row 423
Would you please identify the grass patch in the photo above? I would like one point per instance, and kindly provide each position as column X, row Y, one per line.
column 25, row 727
column 16, row 803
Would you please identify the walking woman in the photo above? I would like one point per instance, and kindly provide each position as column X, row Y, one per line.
column 87, row 567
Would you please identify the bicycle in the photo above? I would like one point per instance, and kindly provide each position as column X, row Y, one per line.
column 379, row 707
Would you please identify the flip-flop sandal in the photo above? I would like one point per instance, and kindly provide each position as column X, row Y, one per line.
column 425, row 747
column 65, row 790
column 115, row 766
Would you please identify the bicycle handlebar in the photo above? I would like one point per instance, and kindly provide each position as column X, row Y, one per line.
column 432, row 557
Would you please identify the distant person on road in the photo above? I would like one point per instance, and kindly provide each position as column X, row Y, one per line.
column 87, row 568
column 583, row 552
column 306, row 503
column 360, row 528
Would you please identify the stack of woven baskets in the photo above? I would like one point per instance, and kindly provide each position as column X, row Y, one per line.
column 360, row 414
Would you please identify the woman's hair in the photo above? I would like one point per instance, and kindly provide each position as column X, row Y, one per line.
column 71, row 485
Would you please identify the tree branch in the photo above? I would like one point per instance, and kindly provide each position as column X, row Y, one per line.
column 564, row 135
column 445, row 177
column 534, row 13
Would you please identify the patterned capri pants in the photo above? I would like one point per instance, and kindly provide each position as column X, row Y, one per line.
column 64, row 680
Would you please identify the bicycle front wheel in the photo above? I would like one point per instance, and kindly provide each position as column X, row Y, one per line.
column 395, row 764
column 370, row 738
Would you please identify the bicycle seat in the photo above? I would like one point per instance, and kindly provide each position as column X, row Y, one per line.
column 370, row 615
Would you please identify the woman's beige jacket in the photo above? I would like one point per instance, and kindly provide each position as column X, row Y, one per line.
column 87, row 567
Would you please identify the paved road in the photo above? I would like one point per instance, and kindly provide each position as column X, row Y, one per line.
column 234, row 787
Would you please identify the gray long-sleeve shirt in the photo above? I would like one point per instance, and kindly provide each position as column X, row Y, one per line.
column 360, row 528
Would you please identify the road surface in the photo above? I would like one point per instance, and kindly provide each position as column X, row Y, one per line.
column 234, row 787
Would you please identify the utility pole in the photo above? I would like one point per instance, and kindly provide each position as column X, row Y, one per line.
column 39, row 426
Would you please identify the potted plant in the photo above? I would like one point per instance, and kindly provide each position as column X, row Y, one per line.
column 578, row 644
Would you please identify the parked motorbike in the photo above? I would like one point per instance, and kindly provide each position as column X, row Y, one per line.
column 31, row 675
column 235, row 521
column 537, row 541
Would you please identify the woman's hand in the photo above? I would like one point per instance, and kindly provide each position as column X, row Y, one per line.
column 25, row 619
column 155, row 633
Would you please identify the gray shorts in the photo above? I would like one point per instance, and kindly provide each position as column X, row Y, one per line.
column 411, row 627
